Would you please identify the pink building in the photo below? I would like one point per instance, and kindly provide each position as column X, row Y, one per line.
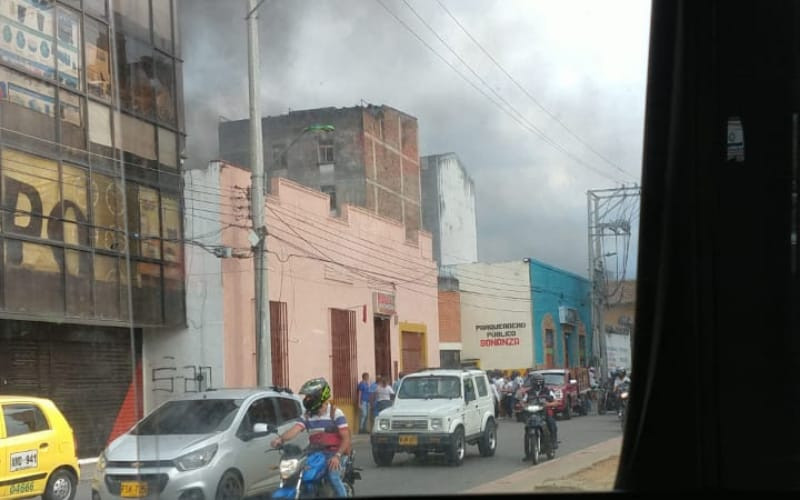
column 349, row 294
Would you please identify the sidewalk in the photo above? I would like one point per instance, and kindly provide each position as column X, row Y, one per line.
column 590, row 469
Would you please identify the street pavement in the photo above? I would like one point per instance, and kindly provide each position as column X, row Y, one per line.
column 432, row 476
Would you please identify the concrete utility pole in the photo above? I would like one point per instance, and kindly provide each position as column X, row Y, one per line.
column 259, row 239
column 608, row 216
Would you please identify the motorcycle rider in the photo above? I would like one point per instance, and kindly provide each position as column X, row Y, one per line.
column 548, row 397
column 619, row 381
column 327, row 428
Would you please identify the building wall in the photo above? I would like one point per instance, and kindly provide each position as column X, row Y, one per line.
column 449, row 209
column 174, row 355
column 495, row 305
column 317, row 263
column 375, row 150
column 450, row 316
column 553, row 287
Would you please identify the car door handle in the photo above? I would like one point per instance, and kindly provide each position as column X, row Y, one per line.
column 43, row 446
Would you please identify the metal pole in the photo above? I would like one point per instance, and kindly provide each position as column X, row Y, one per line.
column 602, row 292
column 257, row 185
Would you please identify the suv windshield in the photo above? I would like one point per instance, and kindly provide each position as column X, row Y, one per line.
column 200, row 416
column 553, row 378
column 434, row 387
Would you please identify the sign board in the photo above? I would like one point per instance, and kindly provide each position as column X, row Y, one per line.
column 383, row 303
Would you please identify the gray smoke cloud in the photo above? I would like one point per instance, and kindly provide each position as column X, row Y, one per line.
column 585, row 61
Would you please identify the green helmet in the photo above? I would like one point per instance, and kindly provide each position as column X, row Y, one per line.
column 316, row 393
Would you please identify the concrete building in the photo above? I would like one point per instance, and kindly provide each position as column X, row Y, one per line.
column 370, row 160
column 73, row 307
column 448, row 209
column 449, row 323
column 348, row 294
column 618, row 321
column 523, row 314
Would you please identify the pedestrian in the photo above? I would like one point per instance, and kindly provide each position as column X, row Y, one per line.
column 363, row 403
column 383, row 395
column 508, row 397
column 372, row 388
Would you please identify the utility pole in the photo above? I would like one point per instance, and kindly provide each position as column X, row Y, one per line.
column 609, row 215
column 257, row 185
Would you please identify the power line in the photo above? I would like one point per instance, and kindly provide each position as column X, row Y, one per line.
column 529, row 128
column 528, row 94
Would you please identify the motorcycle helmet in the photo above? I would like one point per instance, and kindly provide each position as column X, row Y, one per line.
column 537, row 381
column 316, row 392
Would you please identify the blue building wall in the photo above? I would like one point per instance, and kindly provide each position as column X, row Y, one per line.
column 550, row 288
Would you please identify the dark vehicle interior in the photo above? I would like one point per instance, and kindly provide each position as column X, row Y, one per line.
column 717, row 271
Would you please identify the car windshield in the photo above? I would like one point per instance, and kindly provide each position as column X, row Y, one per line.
column 433, row 387
column 201, row 416
column 553, row 378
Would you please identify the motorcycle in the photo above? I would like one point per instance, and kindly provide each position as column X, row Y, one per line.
column 304, row 474
column 537, row 435
column 622, row 412
column 520, row 404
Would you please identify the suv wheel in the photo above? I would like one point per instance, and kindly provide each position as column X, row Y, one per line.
column 382, row 458
column 488, row 442
column 458, row 447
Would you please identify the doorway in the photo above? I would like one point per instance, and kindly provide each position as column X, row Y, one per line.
column 383, row 346
column 549, row 343
column 412, row 352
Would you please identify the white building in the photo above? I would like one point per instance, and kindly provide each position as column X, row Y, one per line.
column 448, row 209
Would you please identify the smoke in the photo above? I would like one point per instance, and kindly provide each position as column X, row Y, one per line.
column 586, row 62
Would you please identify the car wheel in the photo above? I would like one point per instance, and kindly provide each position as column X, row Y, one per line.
column 230, row 487
column 61, row 486
column 535, row 446
column 382, row 458
column 488, row 442
column 458, row 447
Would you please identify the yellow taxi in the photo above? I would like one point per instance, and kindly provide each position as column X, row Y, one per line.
column 37, row 450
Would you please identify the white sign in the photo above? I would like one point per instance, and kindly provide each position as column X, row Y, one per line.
column 618, row 350
column 24, row 460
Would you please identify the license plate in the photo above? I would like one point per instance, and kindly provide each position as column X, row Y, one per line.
column 133, row 489
column 407, row 440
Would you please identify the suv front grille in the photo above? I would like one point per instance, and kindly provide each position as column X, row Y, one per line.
column 404, row 425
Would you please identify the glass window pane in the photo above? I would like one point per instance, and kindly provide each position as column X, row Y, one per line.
column 98, row 62
column 69, row 48
column 149, row 225
column 146, row 290
column 30, row 195
column 179, row 93
column 176, row 29
column 108, row 210
column 162, row 24
column 171, row 229
column 134, row 62
column 167, row 149
column 27, row 106
column 78, row 267
column 100, row 127
column 26, row 39
column 107, row 286
column 137, row 140
column 73, row 131
column 76, row 205
column 95, row 7
column 33, row 278
column 174, row 295
column 165, row 88
column 132, row 17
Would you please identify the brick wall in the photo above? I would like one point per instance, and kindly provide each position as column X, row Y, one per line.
column 449, row 316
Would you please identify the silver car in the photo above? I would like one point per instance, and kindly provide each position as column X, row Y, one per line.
column 210, row 445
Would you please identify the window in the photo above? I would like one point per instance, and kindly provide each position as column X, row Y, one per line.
column 290, row 409
column 108, row 210
column 30, row 194
column 331, row 192
column 483, row 390
column 164, row 87
column 262, row 411
column 174, row 280
column 78, row 280
column 100, row 130
column 167, row 149
column 326, row 151
column 32, row 277
column 75, row 205
column 98, row 61
column 69, row 48
column 23, row 419
column 70, row 112
column 278, row 158
column 26, row 39
column 132, row 17
column 146, row 293
column 162, row 24
column 171, row 227
column 95, row 7
column 137, row 140
column 143, row 221
column 469, row 390
column 107, row 286
column 134, row 60
column 28, row 106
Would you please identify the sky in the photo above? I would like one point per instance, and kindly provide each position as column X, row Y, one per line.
column 575, row 124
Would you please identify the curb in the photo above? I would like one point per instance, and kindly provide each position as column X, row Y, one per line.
column 527, row 480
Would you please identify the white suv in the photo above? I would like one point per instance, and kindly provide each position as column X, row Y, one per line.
column 438, row 411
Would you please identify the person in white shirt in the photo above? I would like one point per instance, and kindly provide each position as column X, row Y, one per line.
column 383, row 395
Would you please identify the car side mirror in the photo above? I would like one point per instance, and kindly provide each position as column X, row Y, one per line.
column 259, row 430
